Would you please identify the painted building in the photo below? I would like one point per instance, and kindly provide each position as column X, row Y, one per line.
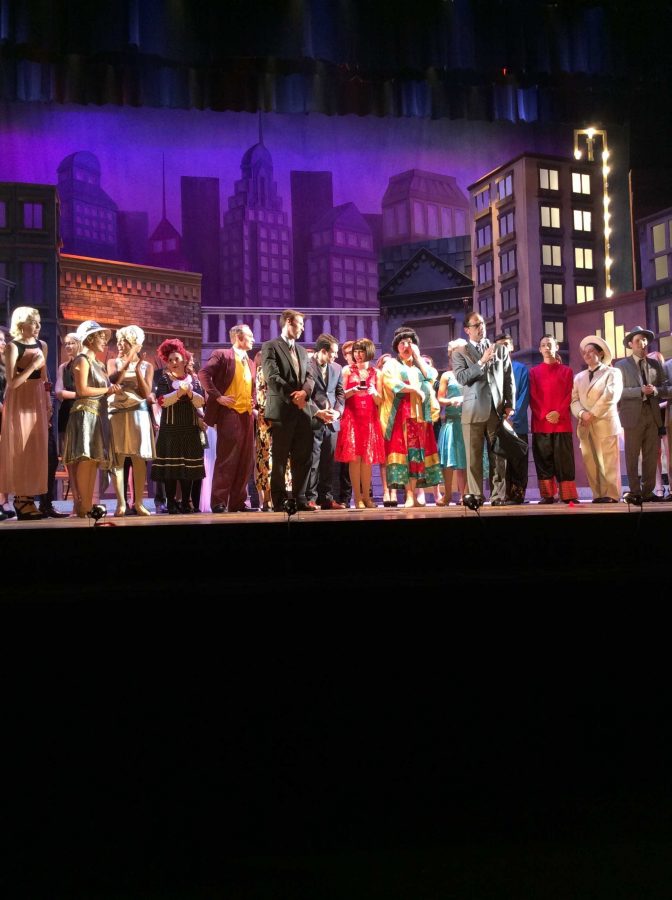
column 29, row 239
column 419, row 206
column 312, row 198
column 200, row 232
column 256, row 254
column 88, row 215
column 655, row 243
column 537, row 232
column 428, row 287
column 165, row 303
column 342, row 263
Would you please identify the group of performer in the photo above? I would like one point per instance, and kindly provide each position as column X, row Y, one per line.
column 310, row 431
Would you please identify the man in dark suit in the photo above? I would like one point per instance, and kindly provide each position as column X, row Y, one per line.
column 290, row 384
column 327, row 401
column 486, row 377
column 644, row 385
column 228, row 379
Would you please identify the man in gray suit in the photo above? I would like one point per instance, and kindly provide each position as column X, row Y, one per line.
column 644, row 384
column 327, row 402
column 485, row 373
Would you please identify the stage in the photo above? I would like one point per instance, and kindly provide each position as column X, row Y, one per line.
column 382, row 549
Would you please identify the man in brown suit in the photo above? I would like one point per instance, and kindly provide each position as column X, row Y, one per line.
column 228, row 379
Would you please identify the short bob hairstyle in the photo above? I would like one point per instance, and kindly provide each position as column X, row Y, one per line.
column 367, row 346
column 19, row 317
column 401, row 334
column 132, row 334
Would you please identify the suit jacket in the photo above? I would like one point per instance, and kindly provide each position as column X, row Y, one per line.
column 483, row 387
column 630, row 407
column 282, row 381
column 600, row 397
column 521, row 382
column 329, row 393
column 216, row 377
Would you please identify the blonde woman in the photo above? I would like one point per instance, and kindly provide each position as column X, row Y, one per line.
column 24, row 444
column 131, row 429
column 87, row 438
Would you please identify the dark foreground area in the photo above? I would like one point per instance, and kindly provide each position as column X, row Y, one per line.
column 401, row 709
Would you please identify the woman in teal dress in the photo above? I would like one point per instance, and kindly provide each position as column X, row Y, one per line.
column 452, row 452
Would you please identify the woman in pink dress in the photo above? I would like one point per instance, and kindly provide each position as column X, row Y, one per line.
column 360, row 439
column 23, row 448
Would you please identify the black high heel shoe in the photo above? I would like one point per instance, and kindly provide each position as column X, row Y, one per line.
column 25, row 509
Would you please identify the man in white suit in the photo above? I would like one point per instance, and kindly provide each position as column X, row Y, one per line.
column 644, row 385
column 485, row 373
column 597, row 390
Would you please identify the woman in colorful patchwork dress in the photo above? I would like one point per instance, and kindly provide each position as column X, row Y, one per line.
column 409, row 407
column 360, row 439
column 25, row 429
column 179, row 446
column 87, row 435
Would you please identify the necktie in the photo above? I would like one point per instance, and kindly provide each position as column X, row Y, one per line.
column 591, row 374
column 643, row 370
column 295, row 358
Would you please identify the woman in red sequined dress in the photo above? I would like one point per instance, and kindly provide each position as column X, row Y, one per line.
column 360, row 439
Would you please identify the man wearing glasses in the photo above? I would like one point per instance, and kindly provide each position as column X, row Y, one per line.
column 487, row 381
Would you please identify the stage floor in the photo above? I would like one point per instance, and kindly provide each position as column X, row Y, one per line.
column 345, row 516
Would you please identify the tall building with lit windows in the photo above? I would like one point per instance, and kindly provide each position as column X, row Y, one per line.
column 342, row 265
column 256, row 255
column 537, row 227
column 655, row 247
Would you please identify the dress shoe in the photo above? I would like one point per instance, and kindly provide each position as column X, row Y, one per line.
column 547, row 500
column 571, row 500
column 218, row 508
column 309, row 506
column 253, row 509
column 174, row 508
column 501, row 503
column 652, row 498
column 50, row 512
column 6, row 513
column 333, row 504
column 159, row 508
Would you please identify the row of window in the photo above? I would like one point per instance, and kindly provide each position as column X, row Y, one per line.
column 551, row 257
column 549, row 180
column 32, row 215
column 428, row 219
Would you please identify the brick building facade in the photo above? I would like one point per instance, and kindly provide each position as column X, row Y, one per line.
column 164, row 302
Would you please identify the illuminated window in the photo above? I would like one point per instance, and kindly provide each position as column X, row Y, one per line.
column 512, row 328
column 556, row 329
column 663, row 316
column 553, row 293
column 507, row 224
column 548, row 179
column 658, row 234
column 580, row 183
column 582, row 220
column 551, row 255
column 661, row 267
column 585, row 293
column 550, row 217
column 505, row 187
column 583, row 258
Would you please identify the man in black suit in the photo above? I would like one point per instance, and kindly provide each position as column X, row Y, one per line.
column 328, row 401
column 290, row 385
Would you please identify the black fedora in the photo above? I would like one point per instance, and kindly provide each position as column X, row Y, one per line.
column 649, row 335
